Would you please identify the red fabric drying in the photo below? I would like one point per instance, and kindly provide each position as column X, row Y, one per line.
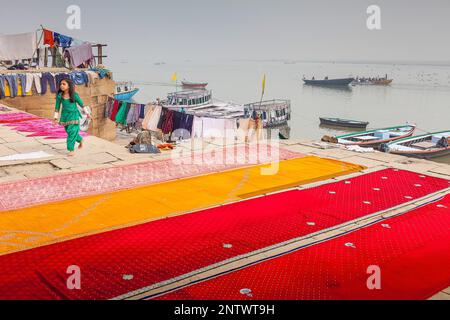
column 161, row 250
column 411, row 250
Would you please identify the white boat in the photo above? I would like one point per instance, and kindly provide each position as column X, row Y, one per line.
column 426, row 146
column 376, row 137
column 201, row 104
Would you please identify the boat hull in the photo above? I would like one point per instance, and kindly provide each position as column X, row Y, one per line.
column 126, row 95
column 330, row 82
column 423, row 154
column 191, row 86
column 343, row 123
column 418, row 153
column 377, row 143
column 382, row 82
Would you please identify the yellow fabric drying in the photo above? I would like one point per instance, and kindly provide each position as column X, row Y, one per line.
column 43, row 224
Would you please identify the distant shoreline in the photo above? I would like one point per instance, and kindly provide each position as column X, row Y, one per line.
column 406, row 63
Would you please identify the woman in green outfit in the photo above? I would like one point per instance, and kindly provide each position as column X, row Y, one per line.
column 70, row 115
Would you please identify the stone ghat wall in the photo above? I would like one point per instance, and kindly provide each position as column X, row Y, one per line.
column 94, row 95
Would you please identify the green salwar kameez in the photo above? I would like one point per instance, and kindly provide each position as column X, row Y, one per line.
column 70, row 119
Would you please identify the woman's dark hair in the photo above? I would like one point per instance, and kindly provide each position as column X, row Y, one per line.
column 71, row 89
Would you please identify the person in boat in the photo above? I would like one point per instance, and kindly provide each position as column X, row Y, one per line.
column 442, row 143
column 66, row 110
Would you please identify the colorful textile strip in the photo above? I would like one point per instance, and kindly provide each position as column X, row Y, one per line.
column 20, row 194
column 410, row 253
column 117, row 262
column 89, row 215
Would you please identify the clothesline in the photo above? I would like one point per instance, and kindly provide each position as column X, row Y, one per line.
column 77, row 52
column 177, row 124
column 32, row 83
column 76, row 40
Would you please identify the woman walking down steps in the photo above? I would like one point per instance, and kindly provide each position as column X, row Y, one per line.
column 70, row 114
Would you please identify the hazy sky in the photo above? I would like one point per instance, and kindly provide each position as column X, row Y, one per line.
column 246, row 29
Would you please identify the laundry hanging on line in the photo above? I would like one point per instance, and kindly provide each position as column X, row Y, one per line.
column 32, row 83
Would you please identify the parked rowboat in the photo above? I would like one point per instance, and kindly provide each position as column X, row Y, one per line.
column 187, row 85
column 329, row 82
column 426, row 146
column 374, row 138
column 343, row 123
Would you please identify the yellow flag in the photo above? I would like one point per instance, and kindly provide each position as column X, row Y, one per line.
column 264, row 85
column 174, row 77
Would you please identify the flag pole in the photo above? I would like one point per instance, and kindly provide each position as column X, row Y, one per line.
column 263, row 91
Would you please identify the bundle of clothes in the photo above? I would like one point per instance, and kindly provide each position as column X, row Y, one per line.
column 32, row 83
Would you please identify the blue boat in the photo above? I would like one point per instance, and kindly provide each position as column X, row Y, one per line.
column 125, row 91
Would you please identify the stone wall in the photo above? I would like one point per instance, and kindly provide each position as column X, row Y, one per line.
column 94, row 95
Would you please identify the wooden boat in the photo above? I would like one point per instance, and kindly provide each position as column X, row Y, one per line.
column 372, row 82
column 187, row 85
column 382, row 82
column 125, row 91
column 329, row 82
column 376, row 137
column 343, row 123
column 426, row 146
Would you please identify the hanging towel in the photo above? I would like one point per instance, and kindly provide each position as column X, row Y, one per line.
column 148, row 115
column 197, row 127
column 155, row 117
column 79, row 54
column 114, row 110
column 167, row 126
column 187, row 122
column 142, row 112
column 109, row 107
column 177, row 120
column 213, row 128
column 48, row 38
column 17, row 46
column 121, row 117
column 62, row 40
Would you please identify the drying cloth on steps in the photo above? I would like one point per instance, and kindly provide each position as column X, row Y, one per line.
column 26, row 156
column 411, row 250
column 16, row 117
column 164, row 249
column 75, row 217
column 39, row 127
column 21, row 194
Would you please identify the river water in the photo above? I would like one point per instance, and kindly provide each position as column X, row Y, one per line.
column 420, row 93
